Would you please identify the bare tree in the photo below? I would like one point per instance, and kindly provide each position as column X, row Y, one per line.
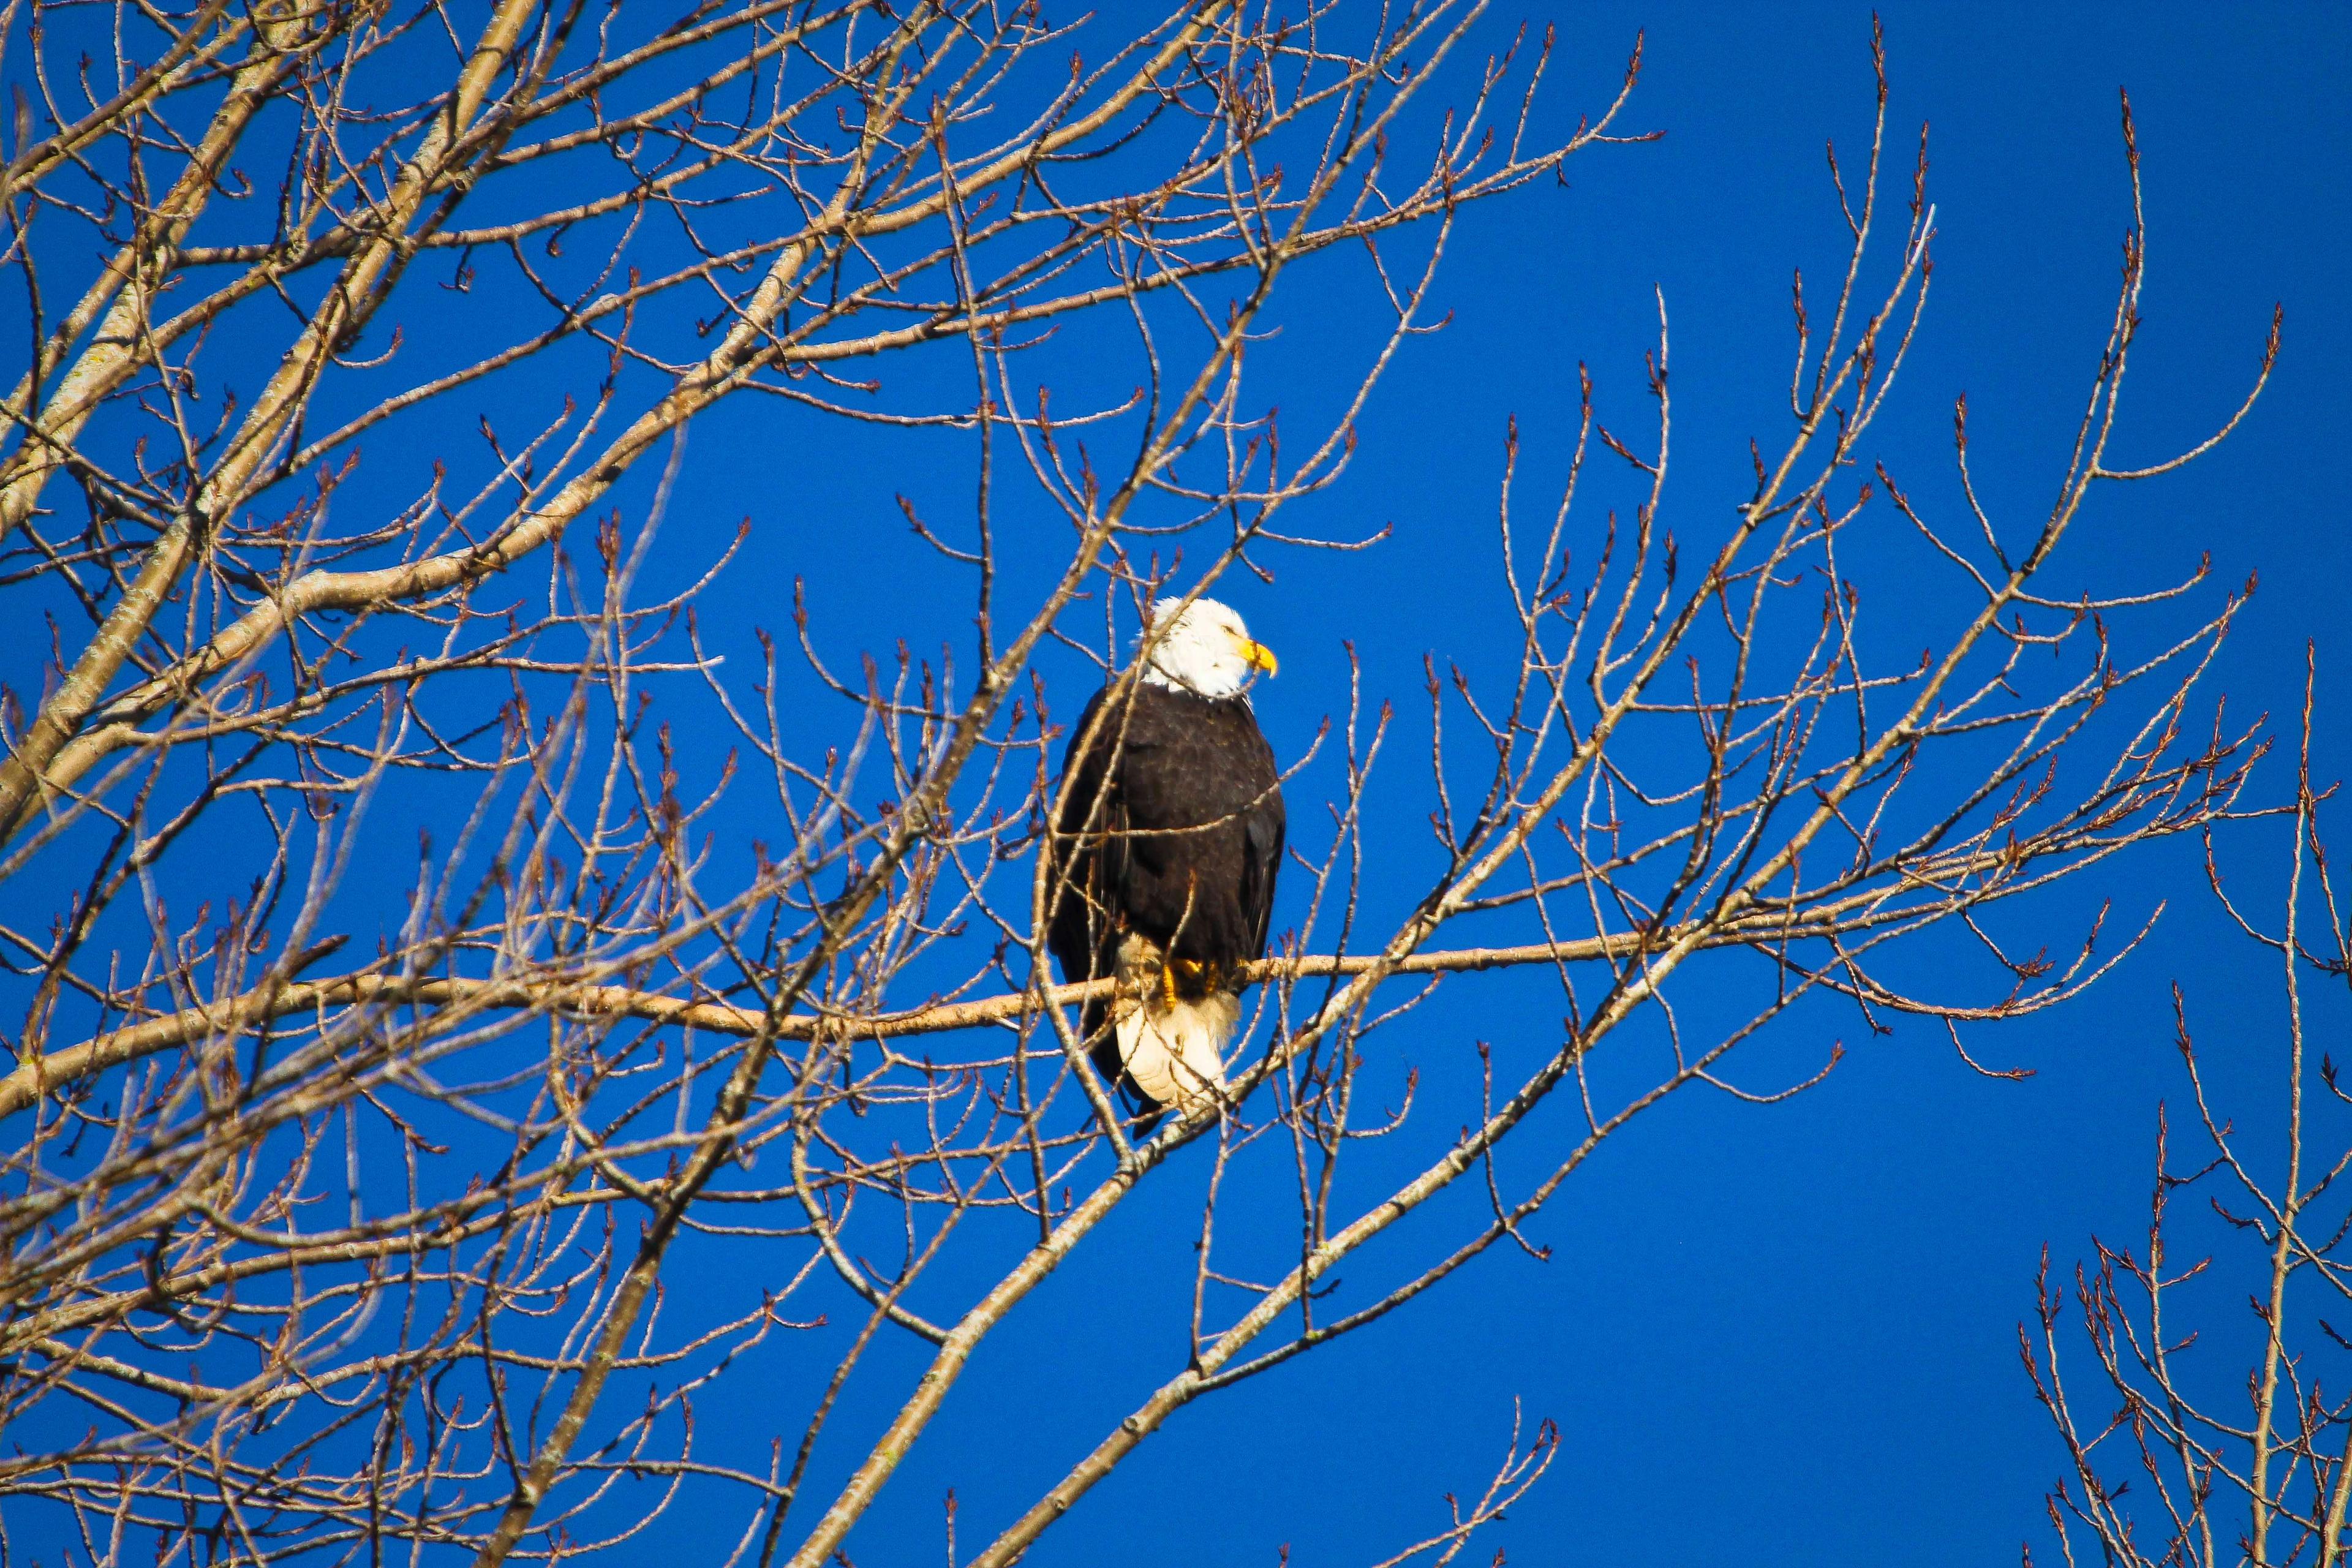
column 366, row 1198
column 2172, row 1458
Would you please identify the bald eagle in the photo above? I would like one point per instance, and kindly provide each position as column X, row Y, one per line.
column 1165, row 854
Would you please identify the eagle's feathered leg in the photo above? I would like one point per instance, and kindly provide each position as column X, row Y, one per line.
column 1172, row 1023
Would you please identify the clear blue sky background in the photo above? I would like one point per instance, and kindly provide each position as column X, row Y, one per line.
column 1770, row 1335
column 1785, row 1334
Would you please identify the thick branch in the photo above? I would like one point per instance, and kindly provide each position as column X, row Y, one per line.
column 43, row 1074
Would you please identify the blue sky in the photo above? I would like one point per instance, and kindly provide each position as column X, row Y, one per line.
column 1771, row 1334
column 1784, row 1334
column 1774, row 1334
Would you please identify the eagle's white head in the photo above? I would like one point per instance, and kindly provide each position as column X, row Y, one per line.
column 1205, row 649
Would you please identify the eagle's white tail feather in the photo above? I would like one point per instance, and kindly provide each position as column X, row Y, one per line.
column 1176, row 1054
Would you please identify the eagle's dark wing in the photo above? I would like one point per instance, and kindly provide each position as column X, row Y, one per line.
column 1089, row 853
column 1262, row 826
column 1073, row 900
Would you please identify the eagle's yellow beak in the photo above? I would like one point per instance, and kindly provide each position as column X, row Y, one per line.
column 1258, row 655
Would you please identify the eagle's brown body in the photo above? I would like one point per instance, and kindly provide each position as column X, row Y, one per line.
column 1165, row 852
